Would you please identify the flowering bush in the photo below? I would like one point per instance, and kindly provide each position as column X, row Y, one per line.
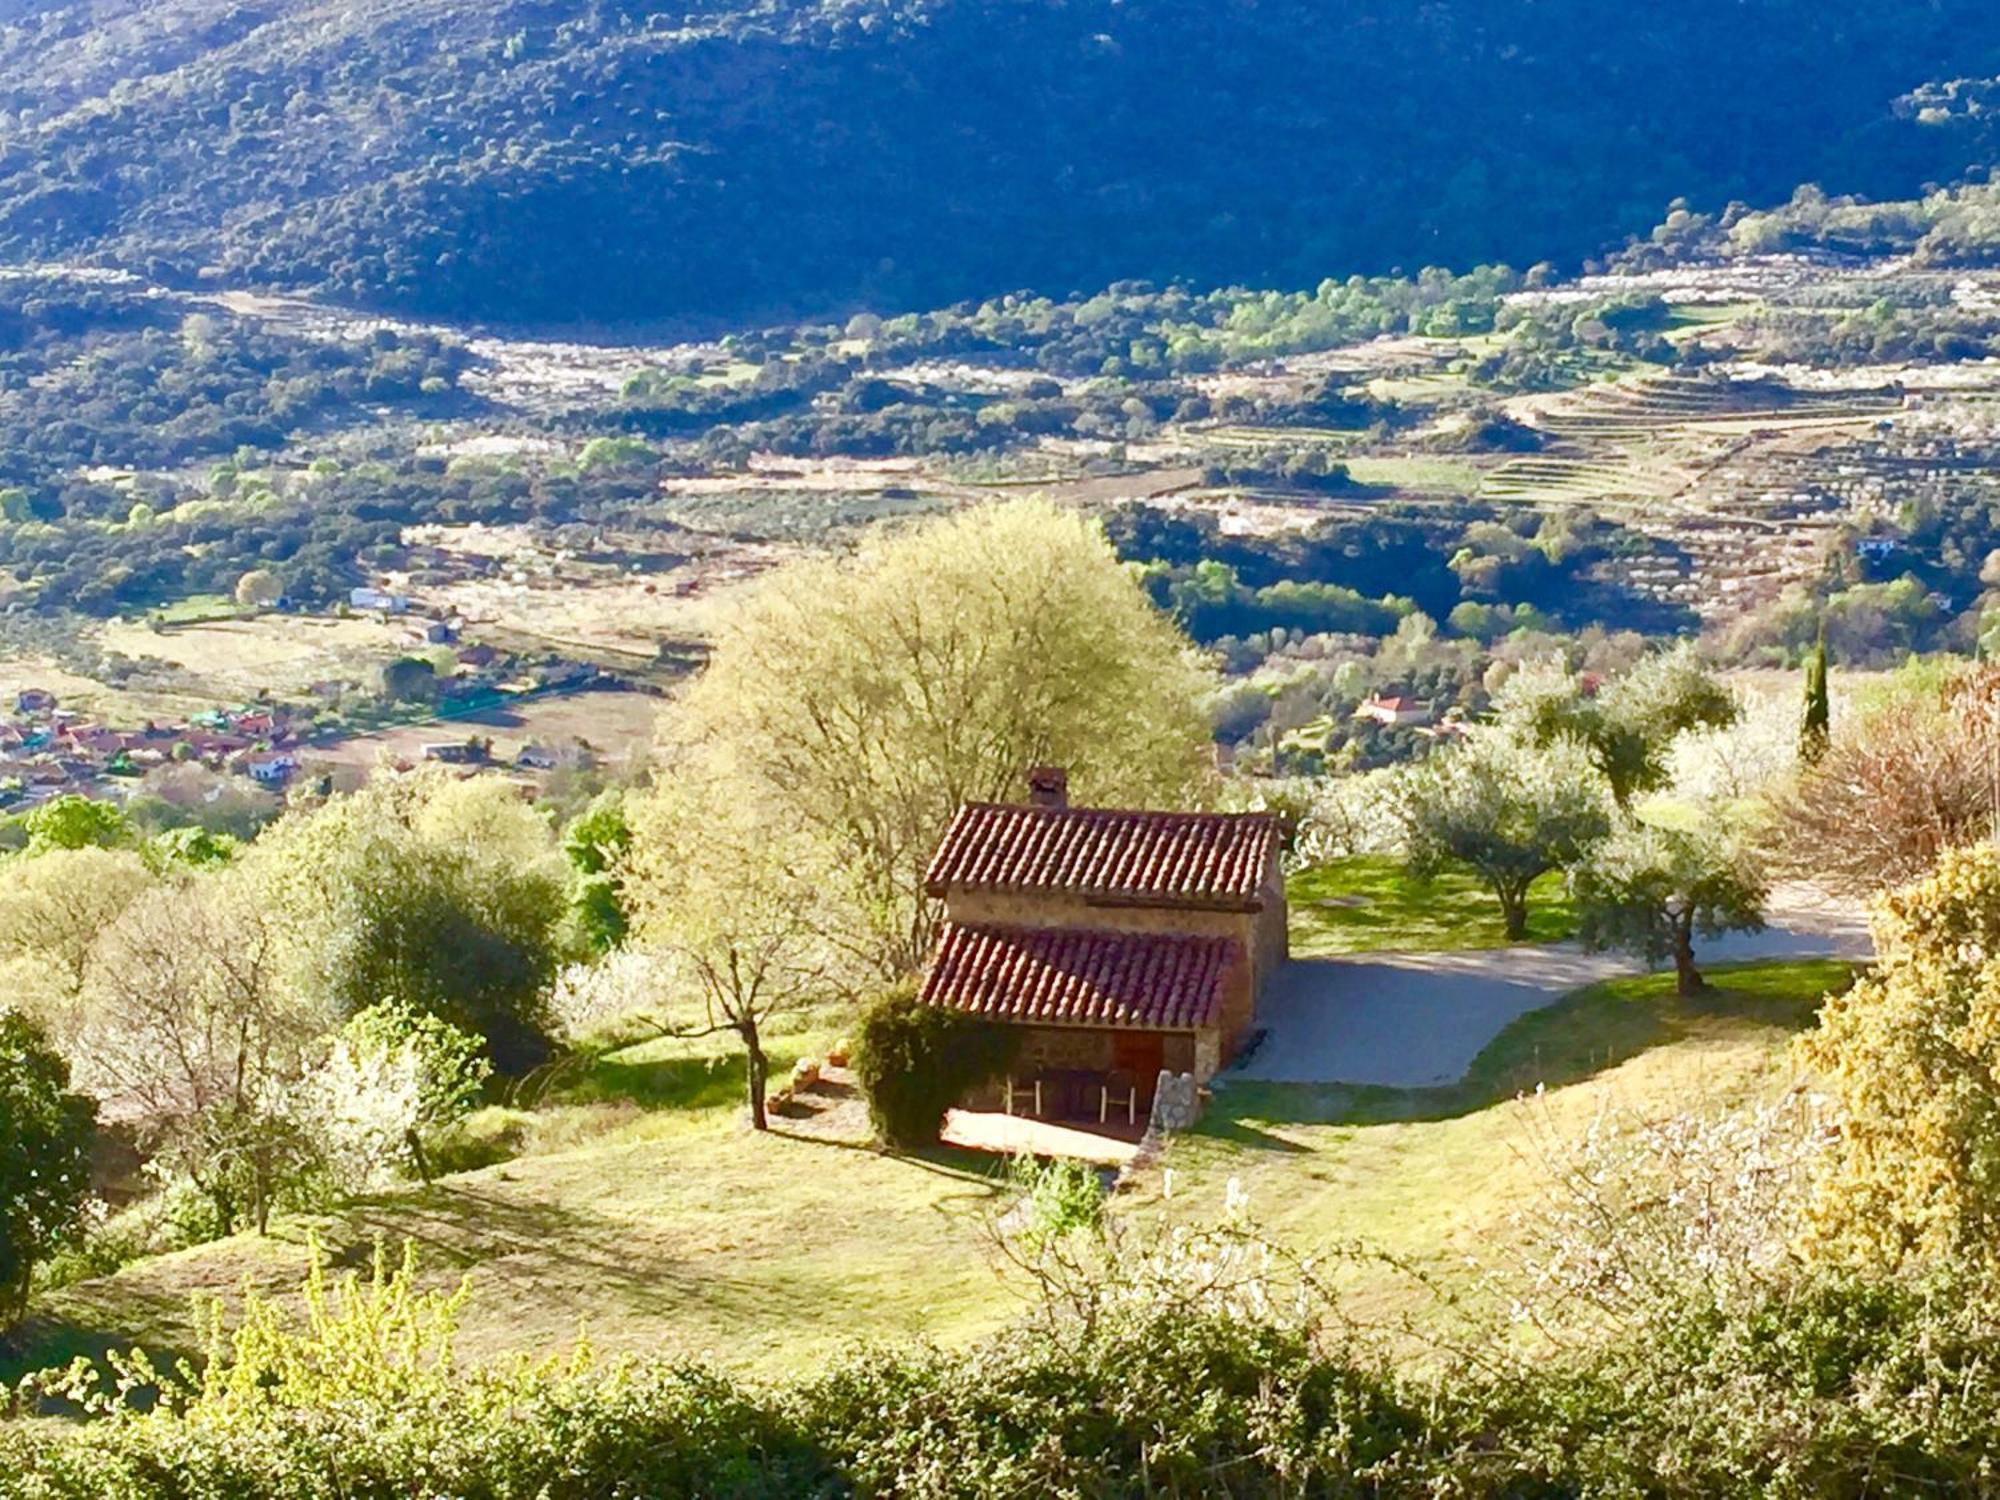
column 1645, row 1218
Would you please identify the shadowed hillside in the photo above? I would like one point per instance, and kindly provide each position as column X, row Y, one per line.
column 558, row 159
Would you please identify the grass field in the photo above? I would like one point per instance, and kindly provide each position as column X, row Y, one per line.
column 616, row 725
column 1416, row 472
column 1371, row 903
column 645, row 1214
column 233, row 659
column 1440, row 1176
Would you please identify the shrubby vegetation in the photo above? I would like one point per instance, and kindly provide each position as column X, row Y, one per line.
column 98, row 375
column 916, row 1061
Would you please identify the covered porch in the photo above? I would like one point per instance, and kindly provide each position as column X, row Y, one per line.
column 1093, row 1076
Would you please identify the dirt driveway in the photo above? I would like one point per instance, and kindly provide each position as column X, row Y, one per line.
column 1417, row 1020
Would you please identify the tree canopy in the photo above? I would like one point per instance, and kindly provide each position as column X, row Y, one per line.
column 864, row 700
column 1652, row 890
column 45, row 1138
column 1507, row 812
column 1628, row 724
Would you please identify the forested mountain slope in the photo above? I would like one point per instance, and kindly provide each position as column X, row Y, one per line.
column 556, row 159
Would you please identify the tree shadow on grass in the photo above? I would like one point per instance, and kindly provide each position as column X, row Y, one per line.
column 472, row 1226
column 1587, row 1032
column 961, row 1162
column 55, row 1338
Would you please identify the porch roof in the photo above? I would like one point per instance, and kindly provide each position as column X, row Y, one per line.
column 1080, row 976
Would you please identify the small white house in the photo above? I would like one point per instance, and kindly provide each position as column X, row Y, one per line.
column 1394, row 710
column 379, row 599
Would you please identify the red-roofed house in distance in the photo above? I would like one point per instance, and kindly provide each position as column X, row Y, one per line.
column 1121, row 942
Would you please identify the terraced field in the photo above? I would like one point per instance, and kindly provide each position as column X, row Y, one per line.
column 1732, row 471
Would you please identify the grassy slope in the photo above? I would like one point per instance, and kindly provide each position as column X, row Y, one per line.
column 647, row 1215
column 1438, row 1174
column 652, row 1218
column 1371, row 903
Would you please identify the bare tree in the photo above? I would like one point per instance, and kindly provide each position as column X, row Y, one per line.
column 723, row 897
column 1911, row 779
column 192, row 1034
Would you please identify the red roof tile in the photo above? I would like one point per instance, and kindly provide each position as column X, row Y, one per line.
column 1172, row 858
column 1062, row 977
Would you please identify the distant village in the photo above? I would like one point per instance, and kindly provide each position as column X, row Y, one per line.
column 49, row 750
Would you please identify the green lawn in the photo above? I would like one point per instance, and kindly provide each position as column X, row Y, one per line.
column 1371, row 903
column 647, row 1215
column 1440, row 1176
column 1415, row 472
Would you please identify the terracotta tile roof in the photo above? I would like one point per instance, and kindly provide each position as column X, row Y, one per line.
column 1172, row 858
column 1068, row 977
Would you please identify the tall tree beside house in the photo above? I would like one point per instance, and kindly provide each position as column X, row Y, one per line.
column 728, row 896
column 870, row 698
column 1627, row 726
column 1508, row 812
column 1653, row 891
column 1816, row 726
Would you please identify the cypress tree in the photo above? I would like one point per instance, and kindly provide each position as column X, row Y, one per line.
column 1814, row 730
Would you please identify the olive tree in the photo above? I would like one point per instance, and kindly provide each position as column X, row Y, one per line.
column 1651, row 890
column 1508, row 812
column 1626, row 726
column 45, row 1139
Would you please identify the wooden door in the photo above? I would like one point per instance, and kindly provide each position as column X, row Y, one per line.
column 1141, row 1054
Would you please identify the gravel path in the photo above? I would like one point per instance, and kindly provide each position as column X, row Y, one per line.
column 1417, row 1020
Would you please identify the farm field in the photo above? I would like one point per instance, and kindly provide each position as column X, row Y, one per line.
column 278, row 652
column 616, row 727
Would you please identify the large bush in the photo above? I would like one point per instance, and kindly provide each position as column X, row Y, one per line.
column 915, row 1061
column 45, row 1138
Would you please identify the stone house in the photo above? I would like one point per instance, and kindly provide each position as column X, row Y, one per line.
column 1122, row 942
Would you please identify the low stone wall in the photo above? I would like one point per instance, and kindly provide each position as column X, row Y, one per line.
column 1176, row 1103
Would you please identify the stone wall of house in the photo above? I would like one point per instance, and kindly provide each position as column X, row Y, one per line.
column 988, row 909
column 1271, row 937
column 1065, row 1047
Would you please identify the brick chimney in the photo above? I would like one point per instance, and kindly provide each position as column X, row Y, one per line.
column 1048, row 786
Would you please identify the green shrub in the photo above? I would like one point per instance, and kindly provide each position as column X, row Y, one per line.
column 46, row 1134
column 916, row 1061
column 1832, row 1386
column 1062, row 1196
